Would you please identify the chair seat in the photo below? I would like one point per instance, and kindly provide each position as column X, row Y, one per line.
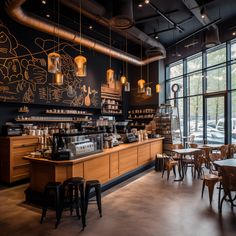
column 75, row 180
column 53, row 184
column 92, row 182
column 211, row 177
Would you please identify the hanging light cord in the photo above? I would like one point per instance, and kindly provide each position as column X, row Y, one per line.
column 126, row 63
column 80, row 26
column 58, row 22
column 110, row 44
column 141, row 67
column 148, row 73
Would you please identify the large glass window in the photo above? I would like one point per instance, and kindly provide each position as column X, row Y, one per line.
column 233, row 117
column 233, row 51
column 206, row 79
column 176, row 69
column 216, row 56
column 195, row 119
column 194, row 63
column 169, row 92
column 194, row 84
column 216, row 79
column 233, row 76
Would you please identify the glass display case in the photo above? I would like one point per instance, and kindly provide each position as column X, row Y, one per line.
column 72, row 146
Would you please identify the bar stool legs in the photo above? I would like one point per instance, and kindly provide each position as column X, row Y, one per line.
column 97, row 186
column 55, row 188
column 75, row 187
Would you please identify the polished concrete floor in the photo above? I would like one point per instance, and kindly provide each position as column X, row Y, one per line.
column 145, row 205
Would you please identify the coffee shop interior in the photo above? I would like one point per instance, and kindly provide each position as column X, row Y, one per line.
column 118, row 117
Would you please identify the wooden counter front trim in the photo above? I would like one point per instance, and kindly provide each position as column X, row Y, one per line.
column 97, row 168
column 104, row 166
column 128, row 160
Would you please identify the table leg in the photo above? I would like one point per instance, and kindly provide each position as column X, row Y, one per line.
column 181, row 169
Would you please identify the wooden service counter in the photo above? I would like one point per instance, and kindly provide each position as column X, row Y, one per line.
column 105, row 166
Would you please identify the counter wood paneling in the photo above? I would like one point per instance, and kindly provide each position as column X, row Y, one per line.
column 104, row 166
column 12, row 165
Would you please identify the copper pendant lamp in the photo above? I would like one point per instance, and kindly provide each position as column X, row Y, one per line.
column 54, row 59
column 54, row 62
column 148, row 88
column 141, row 81
column 80, row 61
column 158, row 88
column 110, row 73
column 58, row 78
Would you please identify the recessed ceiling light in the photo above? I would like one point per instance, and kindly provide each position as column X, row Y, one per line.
column 234, row 33
column 90, row 27
column 140, row 5
column 156, row 36
column 48, row 15
column 44, row 2
column 146, row 1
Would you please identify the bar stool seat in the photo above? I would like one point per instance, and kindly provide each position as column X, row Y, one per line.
column 97, row 186
column 55, row 189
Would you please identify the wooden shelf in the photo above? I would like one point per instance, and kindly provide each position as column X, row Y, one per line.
column 76, row 114
column 48, row 120
column 139, row 118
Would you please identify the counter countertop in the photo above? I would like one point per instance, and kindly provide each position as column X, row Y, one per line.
column 85, row 158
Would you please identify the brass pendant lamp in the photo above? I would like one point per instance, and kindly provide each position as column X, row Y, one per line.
column 55, row 58
column 148, row 88
column 123, row 78
column 158, row 88
column 80, row 61
column 141, row 81
column 110, row 74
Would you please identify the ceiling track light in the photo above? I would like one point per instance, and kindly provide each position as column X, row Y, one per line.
column 203, row 13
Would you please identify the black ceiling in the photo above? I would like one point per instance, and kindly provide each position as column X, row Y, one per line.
column 145, row 18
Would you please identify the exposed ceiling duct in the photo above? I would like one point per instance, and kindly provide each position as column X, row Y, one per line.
column 98, row 13
column 122, row 14
column 14, row 9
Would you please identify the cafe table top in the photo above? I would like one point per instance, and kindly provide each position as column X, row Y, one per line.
column 185, row 151
column 227, row 162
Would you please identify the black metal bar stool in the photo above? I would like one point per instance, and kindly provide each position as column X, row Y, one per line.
column 97, row 186
column 73, row 190
column 52, row 196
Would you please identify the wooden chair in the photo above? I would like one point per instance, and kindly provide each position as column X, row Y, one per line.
column 193, row 145
column 224, row 151
column 210, row 181
column 169, row 164
column 199, row 161
column 229, row 185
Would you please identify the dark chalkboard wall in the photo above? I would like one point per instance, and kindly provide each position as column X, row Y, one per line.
column 24, row 77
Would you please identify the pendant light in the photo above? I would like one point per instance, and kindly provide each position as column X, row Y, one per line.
column 58, row 76
column 110, row 74
column 54, row 59
column 123, row 78
column 141, row 81
column 148, row 88
column 80, row 61
column 127, row 83
column 158, row 88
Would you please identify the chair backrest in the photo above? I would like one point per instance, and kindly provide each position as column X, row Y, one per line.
column 177, row 146
column 232, row 150
column 193, row 145
column 224, row 150
column 228, row 178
